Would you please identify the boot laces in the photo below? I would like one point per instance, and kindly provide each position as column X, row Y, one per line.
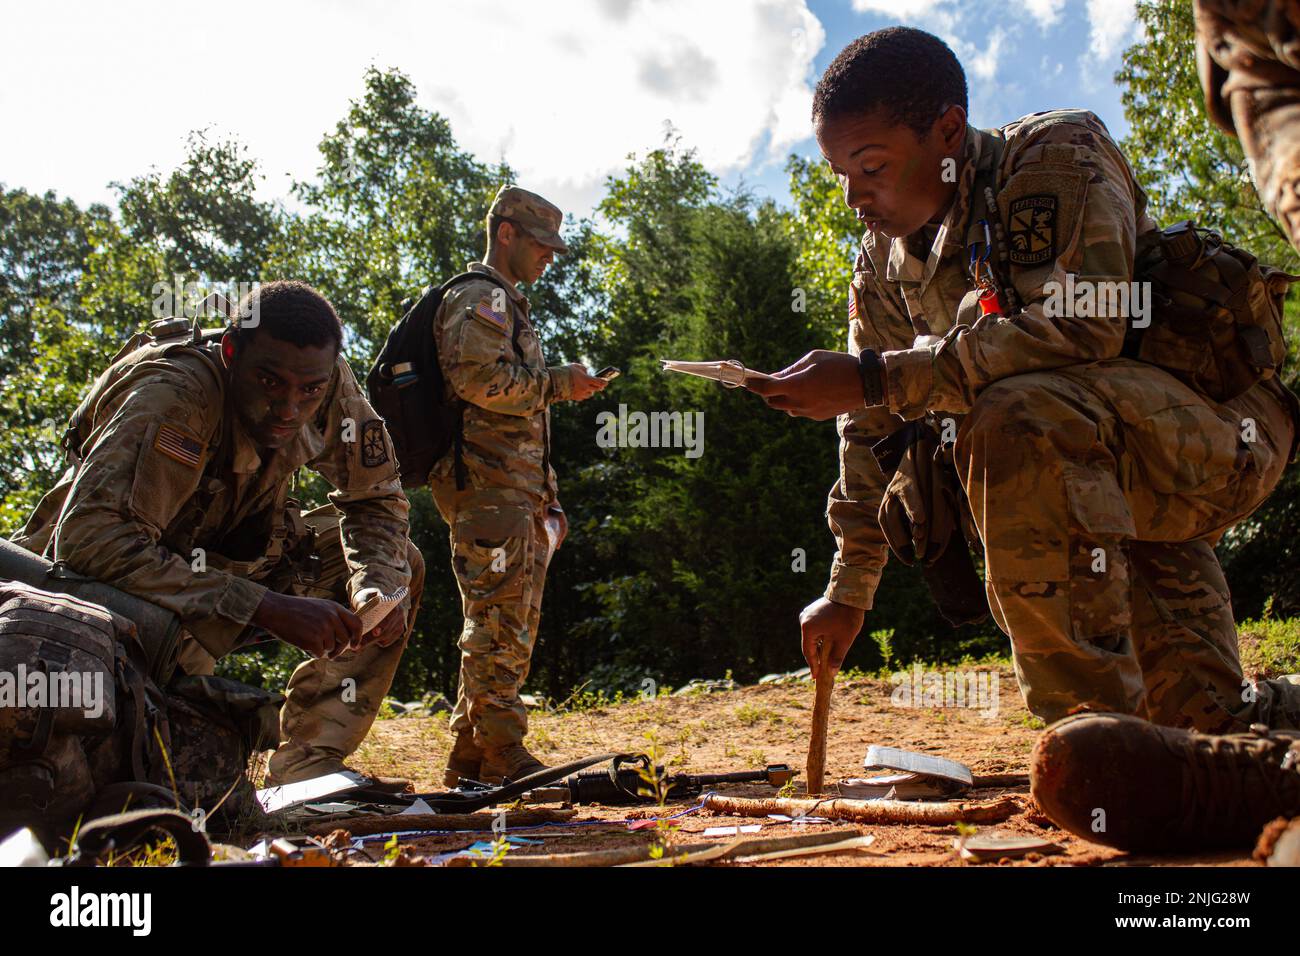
column 1226, row 772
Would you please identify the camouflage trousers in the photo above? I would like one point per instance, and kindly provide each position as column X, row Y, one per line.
column 500, row 553
column 329, row 705
column 1098, row 491
column 1249, row 61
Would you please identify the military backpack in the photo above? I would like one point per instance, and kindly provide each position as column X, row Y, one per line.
column 86, row 731
column 1216, row 311
column 407, row 388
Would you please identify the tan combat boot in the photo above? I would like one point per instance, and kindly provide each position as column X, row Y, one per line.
column 511, row 762
column 464, row 760
column 1124, row 782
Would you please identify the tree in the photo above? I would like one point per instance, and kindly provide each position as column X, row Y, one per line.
column 1189, row 167
column 397, row 205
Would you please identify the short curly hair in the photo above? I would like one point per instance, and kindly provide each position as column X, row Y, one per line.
column 290, row 311
column 910, row 74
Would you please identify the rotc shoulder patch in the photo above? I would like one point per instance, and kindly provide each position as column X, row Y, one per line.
column 1032, row 230
column 175, row 444
column 373, row 450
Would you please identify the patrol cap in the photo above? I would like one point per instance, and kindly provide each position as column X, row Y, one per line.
column 538, row 217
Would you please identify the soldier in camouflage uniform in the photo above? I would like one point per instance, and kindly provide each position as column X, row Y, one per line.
column 1112, row 778
column 181, row 460
column 1248, row 55
column 497, row 492
column 1097, row 484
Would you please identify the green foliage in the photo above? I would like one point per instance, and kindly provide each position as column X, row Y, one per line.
column 675, row 567
column 396, row 206
column 1270, row 647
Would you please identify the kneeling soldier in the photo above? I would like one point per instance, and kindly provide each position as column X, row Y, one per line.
column 181, row 460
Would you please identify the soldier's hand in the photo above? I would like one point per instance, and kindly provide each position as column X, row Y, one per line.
column 388, row 631
column 820, row 385
column 320, row 627
column 835, row 624
column 562, row 520
column 585, row 384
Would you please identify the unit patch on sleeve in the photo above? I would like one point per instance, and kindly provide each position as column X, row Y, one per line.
column 1032, row 230
column 373, row 450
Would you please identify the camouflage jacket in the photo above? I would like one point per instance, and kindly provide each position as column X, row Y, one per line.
column 506, row 390
column 166, row 496
column 1068, row 203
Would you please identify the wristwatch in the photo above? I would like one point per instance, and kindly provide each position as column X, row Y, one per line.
column 871, row 369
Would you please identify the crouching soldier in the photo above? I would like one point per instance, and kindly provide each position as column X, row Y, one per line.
column 181, row 460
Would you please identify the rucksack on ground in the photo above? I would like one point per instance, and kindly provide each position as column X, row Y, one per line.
column 101, row 735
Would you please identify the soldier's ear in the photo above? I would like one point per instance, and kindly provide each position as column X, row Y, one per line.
column 229, row 348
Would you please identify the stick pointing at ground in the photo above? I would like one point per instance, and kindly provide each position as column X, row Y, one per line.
column 821, row 716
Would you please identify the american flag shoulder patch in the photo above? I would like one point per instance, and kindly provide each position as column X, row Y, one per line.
column 176, row 445
column 853, row 304
column 485, row 310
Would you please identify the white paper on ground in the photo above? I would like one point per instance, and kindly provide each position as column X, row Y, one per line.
column 419, row 806
column 733, row 831
column 291, row 794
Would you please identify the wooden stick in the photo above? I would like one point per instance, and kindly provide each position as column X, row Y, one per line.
column 373, row 823
column 868, row 811
column 1001, row 780
column 750, row 846
column 820, row 718
column 616, row 856
column 681, row 855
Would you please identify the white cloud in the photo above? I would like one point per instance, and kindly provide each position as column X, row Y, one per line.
column 938, row 14
column 1045, row 12
column 562, row 94
column 1112, row 24
column 984, row 63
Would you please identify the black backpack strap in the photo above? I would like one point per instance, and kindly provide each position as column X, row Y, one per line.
column 122, row 832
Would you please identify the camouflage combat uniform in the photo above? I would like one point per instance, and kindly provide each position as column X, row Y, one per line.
column 492, row 361
column 1248, row 54
column 167, row 498
column 1097, row 484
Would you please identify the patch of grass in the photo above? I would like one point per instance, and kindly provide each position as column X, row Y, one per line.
column 756, row 759
column 1028, row 721
column 751, row 714
column 1270, row 646
column 541, row 738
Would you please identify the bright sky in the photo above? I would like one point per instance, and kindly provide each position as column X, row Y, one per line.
column 92, row 92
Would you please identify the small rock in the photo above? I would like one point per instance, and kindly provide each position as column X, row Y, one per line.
column 699, row 686
column 793, row 677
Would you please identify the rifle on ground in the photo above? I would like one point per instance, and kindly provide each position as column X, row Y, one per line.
column 629, row 779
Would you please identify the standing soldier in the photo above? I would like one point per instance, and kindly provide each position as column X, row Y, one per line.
column 497, row 490
column 182, row 456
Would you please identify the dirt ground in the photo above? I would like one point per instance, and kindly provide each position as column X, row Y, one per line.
column 749, row 728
